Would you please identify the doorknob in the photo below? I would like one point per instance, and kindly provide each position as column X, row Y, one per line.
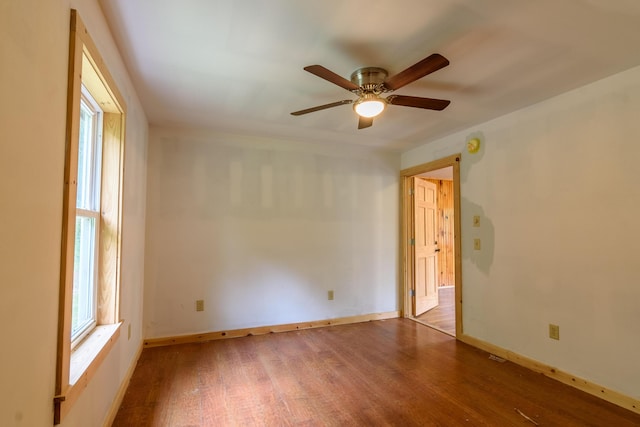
column 437, row 250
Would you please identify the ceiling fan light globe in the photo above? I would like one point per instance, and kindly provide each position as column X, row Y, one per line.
column 369, row 107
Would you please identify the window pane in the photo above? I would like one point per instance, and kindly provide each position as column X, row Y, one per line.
column 85, row 156
column 83, row 309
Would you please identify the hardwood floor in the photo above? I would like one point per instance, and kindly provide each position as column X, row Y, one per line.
column 382, row 373
column 444, row 315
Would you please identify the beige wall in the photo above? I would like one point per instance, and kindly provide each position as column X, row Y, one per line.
column 34, row 37
column 556, row 187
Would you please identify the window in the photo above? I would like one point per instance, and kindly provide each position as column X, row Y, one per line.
column 89, row 322
column 85, row 263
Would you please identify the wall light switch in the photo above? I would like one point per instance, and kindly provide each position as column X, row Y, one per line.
column 476, row 244
column 476, row 220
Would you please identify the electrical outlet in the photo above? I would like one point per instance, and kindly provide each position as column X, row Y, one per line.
column 476, row 220
column 200, row 305
column 554, row 332
column 476, row 244
column 330, row 295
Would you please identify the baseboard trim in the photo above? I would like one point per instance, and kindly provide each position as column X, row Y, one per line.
column 261, row 330
column 113, row 411
column 604, row 393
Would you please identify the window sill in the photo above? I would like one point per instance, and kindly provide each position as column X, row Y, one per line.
column 99, row 341
column 85, row 360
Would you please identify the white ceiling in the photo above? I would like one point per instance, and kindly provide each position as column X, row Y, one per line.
column 237, row 66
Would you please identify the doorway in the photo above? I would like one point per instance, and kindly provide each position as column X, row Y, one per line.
column 431, row 259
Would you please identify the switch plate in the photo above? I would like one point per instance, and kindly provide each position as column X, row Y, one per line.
column 200, row 305
column 330, row 295
column 476, row 244
column 554, row 332
column 476, row 220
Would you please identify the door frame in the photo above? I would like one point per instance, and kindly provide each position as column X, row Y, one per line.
column 406, row 234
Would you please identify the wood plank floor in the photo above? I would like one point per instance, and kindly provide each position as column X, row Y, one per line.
column 386, row 373
column 444, row 315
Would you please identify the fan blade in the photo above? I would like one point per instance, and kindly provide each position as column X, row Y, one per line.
column 428, row 65
column 332, row 77
column 417, row 102
column 364, row 122
column 321, row 107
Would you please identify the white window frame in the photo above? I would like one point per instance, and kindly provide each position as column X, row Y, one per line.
column 90, row 208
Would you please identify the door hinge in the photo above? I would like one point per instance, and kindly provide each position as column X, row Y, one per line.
column 413, row 242
column 412, row 292
column 411, row 191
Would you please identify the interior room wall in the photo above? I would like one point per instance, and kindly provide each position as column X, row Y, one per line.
column 261, row 230
column 34, row 41
column 555, row 186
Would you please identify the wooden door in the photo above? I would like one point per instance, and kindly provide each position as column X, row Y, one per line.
column 425, row 246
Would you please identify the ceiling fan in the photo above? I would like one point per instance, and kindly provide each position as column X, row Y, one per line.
column 370, row 82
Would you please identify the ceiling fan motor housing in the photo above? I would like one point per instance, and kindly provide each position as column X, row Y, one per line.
column 369, row 78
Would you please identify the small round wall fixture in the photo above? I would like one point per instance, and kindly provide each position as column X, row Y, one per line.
column 473, row 145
